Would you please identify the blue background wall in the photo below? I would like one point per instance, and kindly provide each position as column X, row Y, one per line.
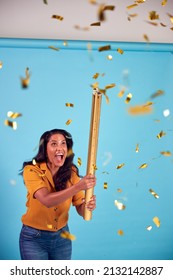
column 64, row 76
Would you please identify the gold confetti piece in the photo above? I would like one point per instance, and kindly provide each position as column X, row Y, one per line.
column 161, row 134
column 101, row 14
column 137, row 148
column 45, row 1
column 144, row 165
column 131, row 16
column 159, row 92
column 119, row 190
column 95, row 23
column 156, row 221
column 120, row 165
column 128, row 98
column 146, row 38
column 132, row 6
column 154, row 193
column 65, row 43
column 105, row 185
column 53, row 48
column 153, row 15
column 121, row 93
column 109, row 57
column 167, row 153
column 149, row 103
column 57, row 17
column 93, row 2
column 162, row 24
column 13, row 115
column 119, row 205
column 110, row 86
column 170, row 17
column 109, row 8
column 103, row 91
column 68, row 235
column 49, row 226
column 140, row 1
column 120, row 51
column 11, row 124
column 69, row 104
column 149, row 228
column 139, row 110
column 152, row 23
column 79, row 161
column 104, row 48
column 1, row 64
column 68, row 122
column 34, row 161
column 95, row 76
column 25, row 81
column 120, row 232
column 164, row 2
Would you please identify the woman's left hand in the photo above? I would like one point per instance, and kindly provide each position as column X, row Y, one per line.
column 91, row 204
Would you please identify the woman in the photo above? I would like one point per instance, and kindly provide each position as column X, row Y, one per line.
column 53, row 183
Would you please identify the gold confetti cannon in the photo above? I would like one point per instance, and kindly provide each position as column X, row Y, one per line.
column 93, row 143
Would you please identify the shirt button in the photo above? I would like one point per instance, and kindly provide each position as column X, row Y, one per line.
column 55, row 227
column 55, row 219
column 55, row 209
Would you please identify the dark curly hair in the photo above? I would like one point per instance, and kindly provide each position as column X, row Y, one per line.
column 64, row 173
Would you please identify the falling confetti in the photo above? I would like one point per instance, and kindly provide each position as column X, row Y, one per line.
column 156, row 221
column 54, row 48
column 137, row 148
column 68, row 122
column 67, row 235
column 120, row 232
column 79, row 161
column 121, row 93
column 105, row 186
column 34, row 161
column 1, row 64
column 119, row 205
column 120, row 165
column 12, row 124
column 25, row 81
column 149, row 228
column 146, row 38
column 159, row 92
column 95, row 23
column 13, row 115
column 144, row 165
column 164, row 2
column 104, row 48
column 69, row 104
column 96, row 75
column 166, row 153
column 57, row 17
column 166, row 112
column 109, row 57
column 131, row 6
column 139, row 110
column 154, row 193
column 161, row 134
column 153, row 15
column 128, row 98
column 120, row 51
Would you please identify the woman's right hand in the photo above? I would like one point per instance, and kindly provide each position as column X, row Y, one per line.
column 87, row 182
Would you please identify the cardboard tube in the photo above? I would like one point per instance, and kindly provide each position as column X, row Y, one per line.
column 93, row 143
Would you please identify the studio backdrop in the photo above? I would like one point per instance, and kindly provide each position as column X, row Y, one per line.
column 134, row 170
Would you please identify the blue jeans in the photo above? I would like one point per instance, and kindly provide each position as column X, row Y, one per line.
column 38, row 244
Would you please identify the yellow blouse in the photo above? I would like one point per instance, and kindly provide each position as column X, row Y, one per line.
column 38, row 215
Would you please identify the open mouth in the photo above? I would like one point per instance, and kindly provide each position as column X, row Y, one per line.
column 59, row 157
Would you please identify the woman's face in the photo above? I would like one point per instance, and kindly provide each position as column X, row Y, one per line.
column 56, row 151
